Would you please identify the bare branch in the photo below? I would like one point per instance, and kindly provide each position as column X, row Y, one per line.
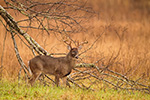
column 18, row 55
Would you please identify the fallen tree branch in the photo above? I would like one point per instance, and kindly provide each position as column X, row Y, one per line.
column 13, row 24
column 18, row 55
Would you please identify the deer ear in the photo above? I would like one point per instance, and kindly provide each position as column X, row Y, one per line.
column 68, row 47
column 80, row 47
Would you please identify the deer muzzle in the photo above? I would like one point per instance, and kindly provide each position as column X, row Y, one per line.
column 76, row 56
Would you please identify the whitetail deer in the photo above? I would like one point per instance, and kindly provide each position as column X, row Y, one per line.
column 60, row 67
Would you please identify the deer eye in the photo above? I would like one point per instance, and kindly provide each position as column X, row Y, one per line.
column 74, row 52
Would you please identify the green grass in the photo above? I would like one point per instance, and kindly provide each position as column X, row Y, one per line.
column 10, row 90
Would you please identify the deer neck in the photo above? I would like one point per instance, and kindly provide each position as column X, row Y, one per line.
column 71, row 59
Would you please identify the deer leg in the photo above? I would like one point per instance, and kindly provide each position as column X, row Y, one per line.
column 65, row 82
column 64, row 79
column 35, row 76
column 57, row 80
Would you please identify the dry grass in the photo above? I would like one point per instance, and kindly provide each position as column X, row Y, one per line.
column 12, row 91
column 122, row 18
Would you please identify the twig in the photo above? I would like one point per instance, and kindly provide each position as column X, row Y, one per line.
column 94, row 41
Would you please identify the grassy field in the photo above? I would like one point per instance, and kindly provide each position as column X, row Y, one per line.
column 10, row 90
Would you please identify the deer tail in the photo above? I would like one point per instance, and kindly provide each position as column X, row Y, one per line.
column 29, row 68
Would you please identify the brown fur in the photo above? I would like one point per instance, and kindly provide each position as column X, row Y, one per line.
column 60, row 67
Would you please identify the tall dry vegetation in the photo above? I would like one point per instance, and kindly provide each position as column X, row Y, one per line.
column 127, row 19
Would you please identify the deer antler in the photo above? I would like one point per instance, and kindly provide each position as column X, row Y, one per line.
column 81, row 44
column 69, row 44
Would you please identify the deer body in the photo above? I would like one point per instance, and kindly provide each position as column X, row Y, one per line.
column 60, row 67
